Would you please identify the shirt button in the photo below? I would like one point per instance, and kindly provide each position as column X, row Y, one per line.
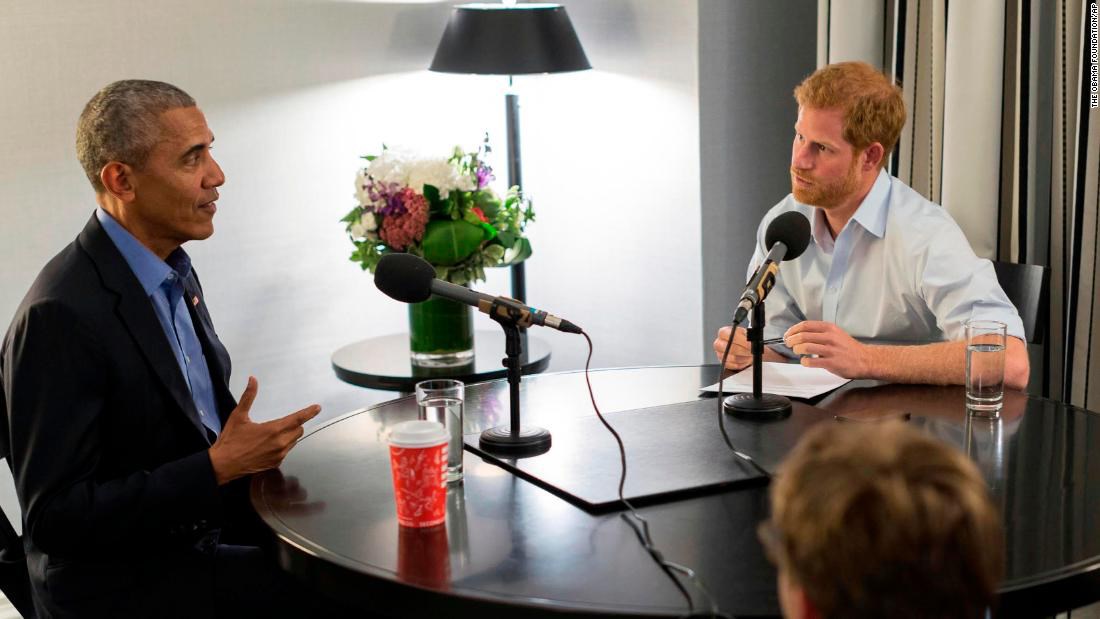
column 202, row 412
column 186, row 359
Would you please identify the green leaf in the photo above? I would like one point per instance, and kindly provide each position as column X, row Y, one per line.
column 507, row 238
column 488, row 203
column 518, row 252
column 470, row 218
column 490, row 231
column 449, row 242
column 436, row 204
column 353, row 215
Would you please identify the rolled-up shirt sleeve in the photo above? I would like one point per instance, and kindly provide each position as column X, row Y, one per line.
column 958, row 286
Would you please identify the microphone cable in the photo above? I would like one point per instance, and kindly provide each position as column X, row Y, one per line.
column 641, row 526
column 721, row 414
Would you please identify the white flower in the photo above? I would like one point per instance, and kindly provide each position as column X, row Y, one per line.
column 361, row 193
column 408, row 170
column 366, row 227
column 390, row 167
column 439, row 173
column 369, row 221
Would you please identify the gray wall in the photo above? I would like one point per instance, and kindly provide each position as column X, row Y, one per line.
column 296, row 91
column 751, row 56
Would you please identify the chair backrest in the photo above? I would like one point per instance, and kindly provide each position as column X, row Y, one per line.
column 1026, row 286
column 15, row 581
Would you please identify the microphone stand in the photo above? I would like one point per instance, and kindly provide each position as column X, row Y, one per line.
column 758, row 406
column 515, row 439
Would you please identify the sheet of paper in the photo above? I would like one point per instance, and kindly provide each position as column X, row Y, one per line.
column 789, row 379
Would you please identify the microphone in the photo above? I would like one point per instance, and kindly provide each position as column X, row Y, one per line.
column 410, row 279
column 786, row 238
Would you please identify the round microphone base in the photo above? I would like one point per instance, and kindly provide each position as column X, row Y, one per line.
column 768, row 407
column 528, row 441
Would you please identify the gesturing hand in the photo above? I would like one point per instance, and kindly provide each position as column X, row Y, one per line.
column 836, row 351
column 740, row 353
column 245, row 447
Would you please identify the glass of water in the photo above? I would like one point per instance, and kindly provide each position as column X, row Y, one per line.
column 442, row 400
column 985, row 367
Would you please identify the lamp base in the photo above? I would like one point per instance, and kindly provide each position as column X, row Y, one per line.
column 768, row 407
column 528, row 441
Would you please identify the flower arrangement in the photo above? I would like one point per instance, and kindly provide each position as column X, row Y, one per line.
column 442, row 210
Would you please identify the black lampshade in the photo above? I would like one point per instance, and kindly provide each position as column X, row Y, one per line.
column 516, row 39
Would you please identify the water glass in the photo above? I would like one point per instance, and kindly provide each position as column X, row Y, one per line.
column 985, row 367
column 442, row 400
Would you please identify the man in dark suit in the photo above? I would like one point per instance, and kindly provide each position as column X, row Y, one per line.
column 130, row 456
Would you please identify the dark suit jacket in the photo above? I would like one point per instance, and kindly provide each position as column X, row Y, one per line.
column 109, row 457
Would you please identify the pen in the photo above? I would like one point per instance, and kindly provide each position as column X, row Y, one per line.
column 779, row 340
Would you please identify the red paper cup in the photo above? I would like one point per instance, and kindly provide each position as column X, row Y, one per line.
column 418, row 461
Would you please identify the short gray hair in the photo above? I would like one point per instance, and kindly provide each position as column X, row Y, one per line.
column 121, row 123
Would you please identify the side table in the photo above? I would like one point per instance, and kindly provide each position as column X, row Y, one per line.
column 384, row 363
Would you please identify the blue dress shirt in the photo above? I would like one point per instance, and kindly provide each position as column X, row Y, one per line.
column 901, row 269
column 162, row 280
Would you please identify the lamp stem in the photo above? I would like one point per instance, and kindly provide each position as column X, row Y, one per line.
column 515, row 179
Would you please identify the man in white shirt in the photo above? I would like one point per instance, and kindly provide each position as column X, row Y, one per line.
column 883, row 263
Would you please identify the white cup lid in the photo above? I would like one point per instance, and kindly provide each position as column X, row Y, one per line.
column 418, row 433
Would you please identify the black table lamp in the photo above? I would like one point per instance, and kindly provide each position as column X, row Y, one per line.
column 510, row 39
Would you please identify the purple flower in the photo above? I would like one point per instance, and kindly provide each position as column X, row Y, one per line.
column 484, row 175
column 394, row 206
column 390, row 195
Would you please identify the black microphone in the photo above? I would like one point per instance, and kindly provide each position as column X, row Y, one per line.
column 410, row 279
column 786, row 238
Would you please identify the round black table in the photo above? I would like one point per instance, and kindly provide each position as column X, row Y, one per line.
column 510, row 548
column 383, row 362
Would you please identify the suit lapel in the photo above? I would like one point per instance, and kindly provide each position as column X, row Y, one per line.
column 137, row 314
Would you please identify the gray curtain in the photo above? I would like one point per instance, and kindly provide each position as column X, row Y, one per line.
column 1049, row 200
column 1001, row 133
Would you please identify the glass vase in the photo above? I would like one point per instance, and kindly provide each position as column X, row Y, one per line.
column 441, row 333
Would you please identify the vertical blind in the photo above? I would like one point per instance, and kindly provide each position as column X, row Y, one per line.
column 1001, row 133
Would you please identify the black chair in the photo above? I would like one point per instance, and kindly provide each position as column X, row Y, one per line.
column 1027, row 287
column 15, row 581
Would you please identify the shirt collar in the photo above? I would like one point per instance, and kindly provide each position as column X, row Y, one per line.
column 871, row 214
column 819, row 229
column 149, row 269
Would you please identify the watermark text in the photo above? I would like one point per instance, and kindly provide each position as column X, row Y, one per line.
column 1094, row 66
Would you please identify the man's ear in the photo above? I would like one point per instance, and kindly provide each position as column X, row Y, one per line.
column 118, row 180
column 872, row 157
column 809, row 611
column 793, row 600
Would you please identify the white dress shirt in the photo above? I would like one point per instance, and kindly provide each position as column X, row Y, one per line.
column 900, row 270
